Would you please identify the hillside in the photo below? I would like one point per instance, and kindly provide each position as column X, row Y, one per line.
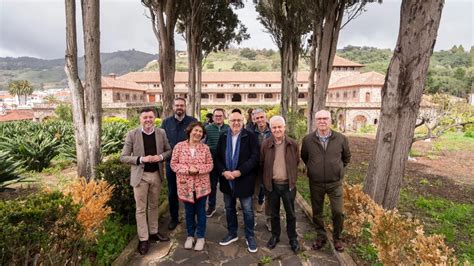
column 50, row 73
column 450, row 71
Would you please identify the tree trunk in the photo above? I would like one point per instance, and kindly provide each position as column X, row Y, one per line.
column 312, row 70
column 288, row 76
column 198, row 83
column 191, row 46
column 164, row 16
column 92, row 80
column 401, row 97
column 326, row 45
column 77, row 91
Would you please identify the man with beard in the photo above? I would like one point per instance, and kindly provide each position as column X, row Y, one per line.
column 175, row 127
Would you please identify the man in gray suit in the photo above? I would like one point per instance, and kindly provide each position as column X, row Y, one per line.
column 145, row 147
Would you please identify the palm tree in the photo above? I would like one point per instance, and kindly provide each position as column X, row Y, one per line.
column 21, row 89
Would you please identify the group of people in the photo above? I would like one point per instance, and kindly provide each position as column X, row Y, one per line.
column 255, row 163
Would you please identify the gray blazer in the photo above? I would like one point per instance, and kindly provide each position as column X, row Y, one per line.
column 134, row 148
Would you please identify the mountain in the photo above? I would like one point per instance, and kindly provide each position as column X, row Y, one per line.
column 50, row 73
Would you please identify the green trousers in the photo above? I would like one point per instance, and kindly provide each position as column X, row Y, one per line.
column 335, row 192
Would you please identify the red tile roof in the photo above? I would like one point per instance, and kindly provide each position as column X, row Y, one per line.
column 364, row 79
column 15, row 115
column 110, row 83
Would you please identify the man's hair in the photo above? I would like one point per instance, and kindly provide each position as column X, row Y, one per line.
column 180, row 99
column 236, row 110
column 257, row 111
column 218, row 109
column 192, row 126
column 277, row 118
column 147, row 109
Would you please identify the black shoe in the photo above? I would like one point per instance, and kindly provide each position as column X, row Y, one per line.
column 172, row 225
column 143, row 247
column 159, row 237
column 210, row 211
column 272, row 242
column 295, row 246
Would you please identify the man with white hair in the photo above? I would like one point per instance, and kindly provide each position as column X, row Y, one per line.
column 326, row 153
column 279, row 157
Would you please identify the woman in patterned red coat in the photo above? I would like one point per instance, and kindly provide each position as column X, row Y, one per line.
column 192, row 162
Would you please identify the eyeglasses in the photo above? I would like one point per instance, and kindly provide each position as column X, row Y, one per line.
column 236, row 120
column 322, row 118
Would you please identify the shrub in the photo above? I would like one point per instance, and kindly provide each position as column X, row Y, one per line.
column 112, row 138
column 42, row 229
column 158, row 122
column 469, row 133
column 92, row 196
column 111, row 240
column 367, row 129
column 118, row 175
column 120, row 120
column 397, row 239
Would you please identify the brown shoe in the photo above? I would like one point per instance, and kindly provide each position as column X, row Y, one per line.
column 338, row 245
column 159, row 237
column 143, row 247
column 319, row 243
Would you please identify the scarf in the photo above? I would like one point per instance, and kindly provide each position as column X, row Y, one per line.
column 231, row 160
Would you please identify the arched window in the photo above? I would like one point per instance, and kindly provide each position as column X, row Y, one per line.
column 220, row 96
column 268, row 96
column 252, row 96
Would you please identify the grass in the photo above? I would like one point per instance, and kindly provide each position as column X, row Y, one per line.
column 265, row 260
column 441, row 216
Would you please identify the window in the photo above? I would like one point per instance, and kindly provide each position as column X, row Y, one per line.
column 117, row 96
column 301, row 96
column 354, row 94
column 134, row 97
column 204, row 85
column 252, row 96
column 252, row 85
column 127, row 97
column 204, row 96
column 344, row 95
column 156, row 85
column 268, row 96
column 268, row 85
column 337, row 95
column 220, row 96
column 142, row 97
column 236, row 85
column 330, row 95
column 367, row 97
column 220, row 85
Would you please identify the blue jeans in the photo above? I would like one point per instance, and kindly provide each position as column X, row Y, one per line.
column 231, row 214
column 172, row 193
column 261, row 194
column 213, row 195
column 193, row 210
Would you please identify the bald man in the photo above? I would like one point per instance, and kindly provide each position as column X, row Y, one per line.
column 326, row 153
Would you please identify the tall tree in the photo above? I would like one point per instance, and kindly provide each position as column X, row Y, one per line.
column 208, row 26
column 401, row 97
column 287, row 21
column 327, row 21
column 164, row 15
column 86, row 96
column 21, row 89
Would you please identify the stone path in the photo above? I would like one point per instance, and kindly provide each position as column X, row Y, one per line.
column 173, row 253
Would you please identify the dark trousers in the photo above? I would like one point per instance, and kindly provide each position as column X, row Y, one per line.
column 172, row 193
column 195, row 215
column 287, row 196
column 213, row 195
column 231, row 215
column 335, row 192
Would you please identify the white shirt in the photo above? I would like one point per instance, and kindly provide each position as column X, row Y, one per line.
column 234, row 143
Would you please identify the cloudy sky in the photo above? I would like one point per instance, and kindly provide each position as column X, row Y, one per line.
column 37, row 27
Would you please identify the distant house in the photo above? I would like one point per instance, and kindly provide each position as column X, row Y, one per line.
column 118, row 90
column 16, row 115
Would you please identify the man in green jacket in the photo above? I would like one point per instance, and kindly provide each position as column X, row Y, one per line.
column 214, row 131
column 326, row 153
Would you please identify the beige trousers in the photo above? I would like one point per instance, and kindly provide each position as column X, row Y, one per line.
column 147, row 196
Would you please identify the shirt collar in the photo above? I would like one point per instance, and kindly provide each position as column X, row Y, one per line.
column 153, row 131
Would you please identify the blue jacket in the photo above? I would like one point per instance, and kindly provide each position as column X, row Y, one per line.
column 175, row 129
column 249, row 155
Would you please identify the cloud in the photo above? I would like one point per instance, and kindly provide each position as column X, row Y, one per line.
column 37, row 28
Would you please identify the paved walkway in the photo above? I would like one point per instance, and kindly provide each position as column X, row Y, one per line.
column 173, row 253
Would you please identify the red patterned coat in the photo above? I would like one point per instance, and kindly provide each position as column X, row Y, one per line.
column 182, row 160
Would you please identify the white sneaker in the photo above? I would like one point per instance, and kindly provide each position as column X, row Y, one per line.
column 199, row 244
column 189, row 242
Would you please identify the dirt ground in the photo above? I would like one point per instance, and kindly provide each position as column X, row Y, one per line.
column 449, row 174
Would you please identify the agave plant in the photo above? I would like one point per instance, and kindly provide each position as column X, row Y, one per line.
column 11, row 171
column 112, row 137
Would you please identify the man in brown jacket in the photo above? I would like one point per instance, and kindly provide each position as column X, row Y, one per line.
column 326, row 153
column 279, row 159
column 145, row 147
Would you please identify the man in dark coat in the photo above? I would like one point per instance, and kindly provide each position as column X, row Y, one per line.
column 237, row 160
